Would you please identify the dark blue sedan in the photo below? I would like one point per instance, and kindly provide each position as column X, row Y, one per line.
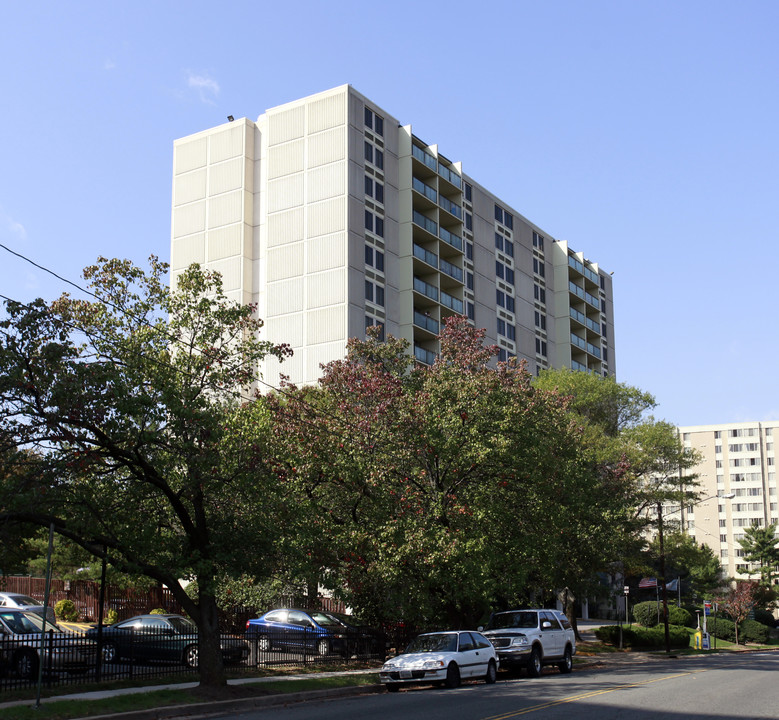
column 301, row 630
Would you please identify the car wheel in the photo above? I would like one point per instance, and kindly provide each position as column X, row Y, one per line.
column 26, row 664
column 264, row 644
column 534, row 665
column 323, row 647
column 566, row 664
column 110, row 654
column 392, row 687
column 492, row 673
column 191, row 656
column 452, row 676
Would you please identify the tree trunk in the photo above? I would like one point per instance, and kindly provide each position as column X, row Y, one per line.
column 211, row 661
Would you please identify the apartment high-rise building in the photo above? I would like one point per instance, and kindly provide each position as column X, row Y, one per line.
column 737, row 482
column 331, row 216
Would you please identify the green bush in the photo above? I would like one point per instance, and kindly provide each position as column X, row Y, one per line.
column 642, row 637
column 752, row 631
column 66, row 610
column 110, row 617
column 722, row 628
column 158, row 611
column 764, row 617
column 645, row 614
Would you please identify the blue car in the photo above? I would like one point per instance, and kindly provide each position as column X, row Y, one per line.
column 300, row 630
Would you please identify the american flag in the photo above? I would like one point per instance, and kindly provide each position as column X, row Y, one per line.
column 648, row 583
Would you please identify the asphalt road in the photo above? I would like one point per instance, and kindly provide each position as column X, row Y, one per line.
column 718, row 687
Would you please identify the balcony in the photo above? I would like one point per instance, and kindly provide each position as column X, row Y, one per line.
column 451, row 270
column 425, row 256
column 450, row 176
column 584, row 345
column 584, row 295
column 451, row 207
column 424, row 356
column 425, row 289
column 584, row 270
column 452, row 303
column 451, row 239
column 584, row 320
column 425, row 222
column 425, row 157
column 426, row 322
column 424, row 189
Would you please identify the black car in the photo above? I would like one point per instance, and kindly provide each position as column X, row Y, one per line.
column 20, row 646
column 161, row 637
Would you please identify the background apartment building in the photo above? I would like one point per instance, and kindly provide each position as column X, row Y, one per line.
column 737, row 459
column 331, row 217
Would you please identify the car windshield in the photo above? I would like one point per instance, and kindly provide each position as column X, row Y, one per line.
column 24, row 600
column 24, row 623
column 182, row 625
column 438, row 642
column 513, row 620
column 326, row 620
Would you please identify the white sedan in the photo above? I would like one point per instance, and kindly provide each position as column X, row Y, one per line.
column 442, row 658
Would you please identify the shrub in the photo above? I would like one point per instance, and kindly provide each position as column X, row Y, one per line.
column 110, row 617
column 722, row 628
column 158, row 611
column 752, row 631
column 646, row 614
column 66, row 610
column 764, row 617
column 642, row 637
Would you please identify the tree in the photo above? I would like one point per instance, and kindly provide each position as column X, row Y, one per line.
column 697, row 565
column 760, row 546
column 444, row 490
column 739, row 601
column 129, row 408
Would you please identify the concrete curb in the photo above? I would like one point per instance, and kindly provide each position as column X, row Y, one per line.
column 221, row 707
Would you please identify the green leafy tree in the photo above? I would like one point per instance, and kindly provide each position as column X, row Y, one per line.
column 130, row 405
column 696, row 565
column 444, row 490
column 761, row 546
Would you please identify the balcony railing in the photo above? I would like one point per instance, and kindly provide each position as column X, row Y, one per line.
column 425, row 157
column 583, row 269
column 452, row 302
column 425, row 222
column 425, row 289
column 451, row 270
column 584, row 345
column 426, row 322
column 584, row 295
column 424, row 356
column 423, row 188
column 451, row 239
column 449, row 175
column 425, row 255
column 584, row 320
column 451, row 207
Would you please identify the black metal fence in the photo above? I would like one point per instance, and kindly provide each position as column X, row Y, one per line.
column 65, row 658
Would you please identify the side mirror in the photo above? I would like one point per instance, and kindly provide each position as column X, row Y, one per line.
column 546, row 625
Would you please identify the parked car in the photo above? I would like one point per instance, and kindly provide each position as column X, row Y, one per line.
column 17, row 601
column 161, row 637
column 20, row 646
column 362, row 640
column 532, row 639
column 300, row 630
column 442, row 658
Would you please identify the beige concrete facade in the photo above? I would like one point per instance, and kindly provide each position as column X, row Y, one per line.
column 331, row 216
column 737, row 458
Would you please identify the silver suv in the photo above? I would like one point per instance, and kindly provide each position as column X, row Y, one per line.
column 532, row 639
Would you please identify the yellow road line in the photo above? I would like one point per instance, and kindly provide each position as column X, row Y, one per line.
column 584, row 696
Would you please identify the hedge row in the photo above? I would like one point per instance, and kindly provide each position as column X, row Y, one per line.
column 645, row 613
column 643, row 637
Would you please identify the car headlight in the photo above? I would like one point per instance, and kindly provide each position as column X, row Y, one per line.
column 521, row 640
column 432, row 664
column 388, row 666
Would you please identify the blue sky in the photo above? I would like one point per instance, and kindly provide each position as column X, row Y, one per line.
column 644, row 133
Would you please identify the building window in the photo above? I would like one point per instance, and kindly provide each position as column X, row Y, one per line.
column 374, row 223
column 504, row 245
column 374, row 258
column 471, row 310
column 374, row 122
column 469, row 251
column 539, row 293
column 540, row 320
column 506, row 329
column 468, row 192
column 539, row 267
column 374, row 155
column 504, row 300
column 368, row 152
column 469, row 280
column 374, row 189
column 538, row 241
column 374, row 293
column 540, row 347
column 468, row 221
column 504, row 217
column 372, row 321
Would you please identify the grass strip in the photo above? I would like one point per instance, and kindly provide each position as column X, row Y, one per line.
column 68, row 709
